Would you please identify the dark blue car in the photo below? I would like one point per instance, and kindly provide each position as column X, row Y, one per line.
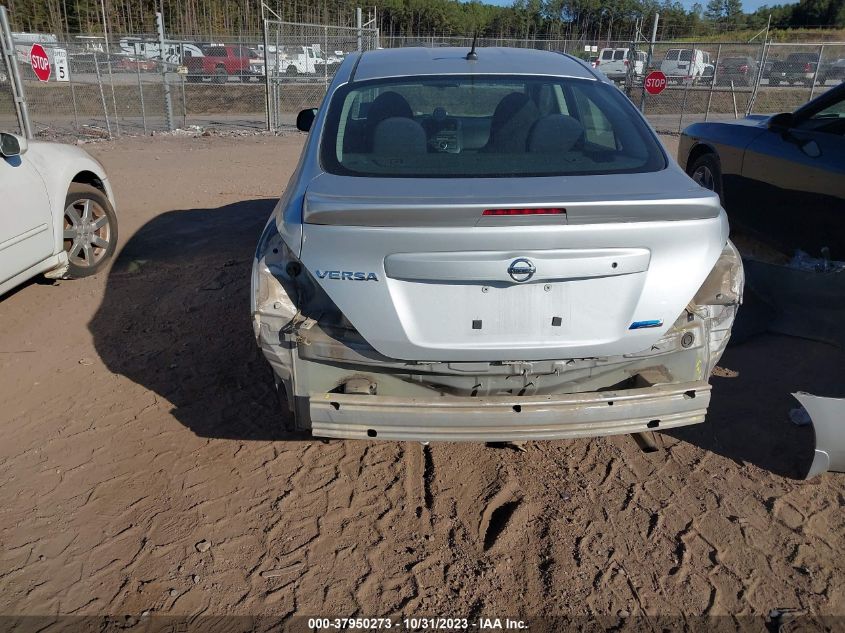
column 781, row 178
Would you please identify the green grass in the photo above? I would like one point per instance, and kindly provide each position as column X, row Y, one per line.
column 775, row 35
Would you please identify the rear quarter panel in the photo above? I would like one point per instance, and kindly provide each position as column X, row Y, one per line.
column 727, row 140
column 288, row 213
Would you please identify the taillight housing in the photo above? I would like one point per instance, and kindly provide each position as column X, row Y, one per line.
column 743, row 68
column 808, row 67
column 551, row 211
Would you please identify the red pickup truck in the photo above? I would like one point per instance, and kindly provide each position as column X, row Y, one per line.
column 218, row 63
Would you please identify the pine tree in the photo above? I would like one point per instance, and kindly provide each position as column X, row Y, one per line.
column 714, row 10
column 733, row 15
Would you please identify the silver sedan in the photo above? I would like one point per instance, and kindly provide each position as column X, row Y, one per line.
column 490, row 245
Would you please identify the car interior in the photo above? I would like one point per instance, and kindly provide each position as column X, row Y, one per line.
column 451, row 127
column 829, row 119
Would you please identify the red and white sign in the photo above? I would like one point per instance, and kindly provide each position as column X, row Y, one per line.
column 655, row 82
column 40, row 62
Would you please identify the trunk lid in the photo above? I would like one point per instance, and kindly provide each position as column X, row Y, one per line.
column 424, row 275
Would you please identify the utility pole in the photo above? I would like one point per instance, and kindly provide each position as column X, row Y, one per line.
column 168, row 104
column 358, row 24
column 108, row 63
column 267, row 69
column 9, row 57
column 650, row 55
column 764, row 51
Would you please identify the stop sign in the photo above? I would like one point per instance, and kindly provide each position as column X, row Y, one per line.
column 40, row 62
column 655, row 82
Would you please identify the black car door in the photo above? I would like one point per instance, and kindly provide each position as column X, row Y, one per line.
column 795, row 172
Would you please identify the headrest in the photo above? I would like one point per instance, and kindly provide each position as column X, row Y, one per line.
column 397, row 136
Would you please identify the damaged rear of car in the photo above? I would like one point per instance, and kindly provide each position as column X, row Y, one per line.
column 490, row 250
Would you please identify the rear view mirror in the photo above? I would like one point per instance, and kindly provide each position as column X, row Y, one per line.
column 305, row 119
column 782, row 121
column 11, row 145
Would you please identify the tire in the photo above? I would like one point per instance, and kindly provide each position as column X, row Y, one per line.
column 194, row 79
column 774, row 82
column 220, row 76
column 90, row 230
column 706, row 171
column 291, row 71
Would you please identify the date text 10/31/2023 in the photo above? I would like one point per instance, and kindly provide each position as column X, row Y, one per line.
column 418, row 624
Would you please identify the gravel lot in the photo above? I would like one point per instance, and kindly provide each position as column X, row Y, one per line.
column 144, row 467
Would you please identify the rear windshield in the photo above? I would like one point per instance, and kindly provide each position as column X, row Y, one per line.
column 489, row 126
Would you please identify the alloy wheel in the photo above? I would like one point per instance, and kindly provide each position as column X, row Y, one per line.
column 87, row 232
column 704, row 177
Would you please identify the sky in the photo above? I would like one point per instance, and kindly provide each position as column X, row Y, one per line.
column 749, row 6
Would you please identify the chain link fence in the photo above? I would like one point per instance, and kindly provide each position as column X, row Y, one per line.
column 432, row 41
column 301, row 61
column 145, row 83
column 134, row 85
column 9, row 120
column 706, row 80
column 8, row 116
column 717, row 81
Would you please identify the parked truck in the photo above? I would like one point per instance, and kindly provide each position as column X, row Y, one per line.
column 798, row 68
column 293, row 60
column 218, row 63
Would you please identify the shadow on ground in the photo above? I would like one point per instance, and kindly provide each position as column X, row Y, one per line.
column 748, row 421
column 175, row 319
column 38, row 280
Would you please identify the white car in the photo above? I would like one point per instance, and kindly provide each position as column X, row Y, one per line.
column 57, row 215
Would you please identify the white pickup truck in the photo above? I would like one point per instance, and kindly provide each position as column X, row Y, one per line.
column 293, row 60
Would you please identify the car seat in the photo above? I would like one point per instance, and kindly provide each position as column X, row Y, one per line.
column 398, row 136
column 386, row 106
column 511, row 123
column 556, row 133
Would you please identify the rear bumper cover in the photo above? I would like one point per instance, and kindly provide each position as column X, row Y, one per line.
column 472, row 419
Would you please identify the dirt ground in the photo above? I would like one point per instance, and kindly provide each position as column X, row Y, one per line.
column 144, row 467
